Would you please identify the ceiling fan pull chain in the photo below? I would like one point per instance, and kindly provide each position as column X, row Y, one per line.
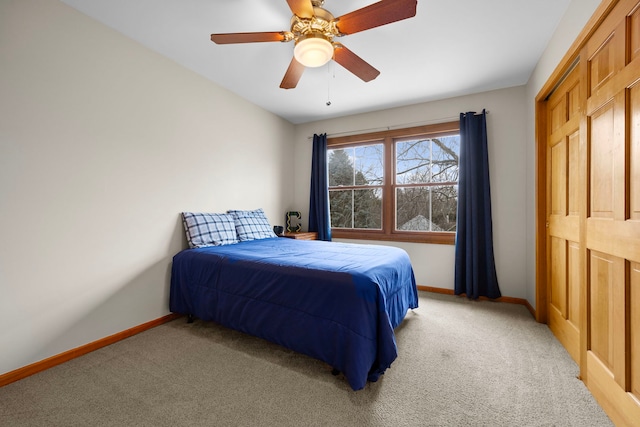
column 329, row 72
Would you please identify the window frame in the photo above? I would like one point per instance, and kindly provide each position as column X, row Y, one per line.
column 388, row 139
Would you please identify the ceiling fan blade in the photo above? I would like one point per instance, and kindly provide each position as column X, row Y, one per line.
column 354, row 63
column 380, row 13
column 301, row 8
column 293, row 74
column 273, row 36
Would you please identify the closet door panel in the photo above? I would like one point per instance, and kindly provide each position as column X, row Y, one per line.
column 612, row 228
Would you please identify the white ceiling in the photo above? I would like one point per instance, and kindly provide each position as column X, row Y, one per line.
column 450, row 48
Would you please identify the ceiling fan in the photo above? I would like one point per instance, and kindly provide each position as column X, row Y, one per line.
column 313, row 30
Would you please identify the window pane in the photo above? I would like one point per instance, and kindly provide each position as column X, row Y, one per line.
column 367, row 206
column 341, row 208
column 430, row 208
column 369, row 164
column 444, row 200
column 422, row 161
column 412, row 209
column 413, row 162
column 363, row 165
column 444, row 163
column 356, row 208
column 340, row 167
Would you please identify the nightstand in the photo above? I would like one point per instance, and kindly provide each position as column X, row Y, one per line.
column 302, row 235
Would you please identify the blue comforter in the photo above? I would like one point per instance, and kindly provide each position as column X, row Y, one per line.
column 336, row 302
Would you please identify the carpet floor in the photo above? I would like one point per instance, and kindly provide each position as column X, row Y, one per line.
column 460, row 363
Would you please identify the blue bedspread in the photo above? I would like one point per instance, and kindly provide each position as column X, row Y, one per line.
column 336, row 302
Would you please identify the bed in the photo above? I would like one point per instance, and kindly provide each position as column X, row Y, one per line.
column 335, row 302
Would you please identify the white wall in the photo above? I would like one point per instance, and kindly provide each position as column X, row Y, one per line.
column 434, row 264
column 102, row 144
column 574, row 20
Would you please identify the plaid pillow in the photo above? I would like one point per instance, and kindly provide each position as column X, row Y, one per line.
column 209, row 229
column 252, row 225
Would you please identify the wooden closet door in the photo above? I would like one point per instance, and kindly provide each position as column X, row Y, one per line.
column 564, row 154
column 610, row 68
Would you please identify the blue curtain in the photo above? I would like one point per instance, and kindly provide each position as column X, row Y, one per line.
column 475, row 270
column 319, row 201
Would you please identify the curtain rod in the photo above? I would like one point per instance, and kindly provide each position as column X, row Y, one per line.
column 399, row 126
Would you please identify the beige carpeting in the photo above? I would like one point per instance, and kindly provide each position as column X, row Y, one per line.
column 460, row 363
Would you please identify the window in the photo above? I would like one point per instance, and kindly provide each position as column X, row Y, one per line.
column 396, row 185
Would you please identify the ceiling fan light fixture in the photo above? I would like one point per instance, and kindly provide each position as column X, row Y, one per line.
column 313, row 51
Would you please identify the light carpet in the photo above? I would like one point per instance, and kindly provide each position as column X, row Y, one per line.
column 460, row 363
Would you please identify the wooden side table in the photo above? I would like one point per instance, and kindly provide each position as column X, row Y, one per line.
column 302, row 235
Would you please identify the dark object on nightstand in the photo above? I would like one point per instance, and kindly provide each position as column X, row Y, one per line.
column 293, row 220
column 278, row 229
